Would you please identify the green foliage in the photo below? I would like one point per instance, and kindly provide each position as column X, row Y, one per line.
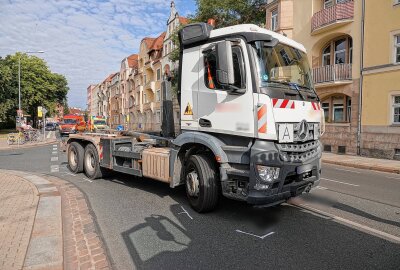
column 230, row 12
column 39, row 86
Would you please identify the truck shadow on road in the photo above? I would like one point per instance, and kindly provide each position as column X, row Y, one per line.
column 177, row 240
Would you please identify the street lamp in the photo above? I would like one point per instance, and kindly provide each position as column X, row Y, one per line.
column 19, row 78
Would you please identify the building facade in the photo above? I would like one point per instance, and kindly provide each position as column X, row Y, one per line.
column 331, row 31
column 380, row 122
column 89, row 97
column 94, row 107
column 115, row 102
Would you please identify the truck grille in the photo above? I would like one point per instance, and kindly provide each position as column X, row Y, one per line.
column 312, row 134
column 298, row 152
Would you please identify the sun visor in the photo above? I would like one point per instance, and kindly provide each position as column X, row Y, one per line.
column 193, row 33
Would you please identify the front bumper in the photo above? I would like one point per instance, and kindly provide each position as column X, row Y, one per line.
column 294, row 177
column 68, row 131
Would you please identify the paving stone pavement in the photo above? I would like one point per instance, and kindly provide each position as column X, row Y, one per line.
column 19, row 200
column 46, row 223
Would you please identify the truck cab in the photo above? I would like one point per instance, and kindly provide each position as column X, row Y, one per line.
column 249, row 93
column 72, row 124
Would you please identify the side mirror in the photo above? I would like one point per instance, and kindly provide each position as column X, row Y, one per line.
column 225, row 73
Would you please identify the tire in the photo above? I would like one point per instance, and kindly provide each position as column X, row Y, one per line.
column 201, row 183
column 91, row 163
column 75, row 157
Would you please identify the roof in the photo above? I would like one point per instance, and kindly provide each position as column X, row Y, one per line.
column 133, row 60
column 158, row 42
column 149, row 41
column 183, row 20
column 108, row 79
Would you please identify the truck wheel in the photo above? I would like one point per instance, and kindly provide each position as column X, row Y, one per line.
column 75, row 157
column 201, row 183
column 91, row 162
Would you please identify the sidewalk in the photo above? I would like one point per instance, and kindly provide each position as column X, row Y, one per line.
column 45, row 223
column 50, row 138
column 383, row 165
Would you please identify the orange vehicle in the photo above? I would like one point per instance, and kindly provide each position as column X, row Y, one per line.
column 72, row 124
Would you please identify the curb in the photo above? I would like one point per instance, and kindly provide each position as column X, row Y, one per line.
column 363, row 166
column 23, row 146
column 45, row 248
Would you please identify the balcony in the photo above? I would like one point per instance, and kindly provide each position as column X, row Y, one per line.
column 332, row 17
column 149, row 106
column 332, row 75
column 151, row 85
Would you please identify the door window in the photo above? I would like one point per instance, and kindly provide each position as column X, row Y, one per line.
column 210, row 69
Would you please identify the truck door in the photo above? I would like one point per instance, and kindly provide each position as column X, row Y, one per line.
column 219, row 110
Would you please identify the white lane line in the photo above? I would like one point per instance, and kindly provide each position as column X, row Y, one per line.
column 323, row 188
column 353, row 224
column 185, row 212
column 67, row 173
column 54, row 159
column 340, row 182
column 87, row 180
column 258, row 236
column 54, row 152
column 346, row 170
column 398, row 178
column 55, row 145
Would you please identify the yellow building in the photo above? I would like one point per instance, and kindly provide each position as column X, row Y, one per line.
column 331, row 31
column 381, row 80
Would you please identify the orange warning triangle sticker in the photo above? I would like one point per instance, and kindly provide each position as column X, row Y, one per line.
column 188, row 110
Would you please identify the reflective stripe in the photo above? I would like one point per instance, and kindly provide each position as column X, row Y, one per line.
column 283, row 103
column 262, row 118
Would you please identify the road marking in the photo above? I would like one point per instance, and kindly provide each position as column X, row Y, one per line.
column 323, row 188
column 185, row 212
column 69, row 174
column 54, row 145
column 340, row 182
column 346, row 170
column 54, row 159
column 54, row 152
column 84, row 178
column 392, row 177
column 360, row 227
column 54, row 168
column 258, row 236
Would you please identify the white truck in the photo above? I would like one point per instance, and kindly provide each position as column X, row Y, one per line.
column 250, row 123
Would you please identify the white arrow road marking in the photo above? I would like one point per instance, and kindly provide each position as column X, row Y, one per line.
column 185, row 212
column 336, row 181
column 258, row 236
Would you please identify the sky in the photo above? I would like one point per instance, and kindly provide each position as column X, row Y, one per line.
column 85, row 40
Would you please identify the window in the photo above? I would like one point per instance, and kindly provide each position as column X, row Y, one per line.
column 397, row 48
column 328, row 3
column 337, row 112
column 158, row 116
column 274, row 19
column 326, row 56
column 158, row 74
column 340, row 51
column 348, row 116
column 396, row 109
column 210, row 63
column 144, row 98
column 131, row 101
column 325, row 107
column 158, row 95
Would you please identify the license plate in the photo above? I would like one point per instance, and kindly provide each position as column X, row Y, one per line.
column 285, row 133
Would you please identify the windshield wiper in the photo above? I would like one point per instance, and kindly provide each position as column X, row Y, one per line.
column 291, row 85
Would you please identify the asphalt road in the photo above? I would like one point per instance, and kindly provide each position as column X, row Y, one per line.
column 351, row 221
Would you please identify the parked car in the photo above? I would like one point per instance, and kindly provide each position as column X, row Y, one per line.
column 51, row 126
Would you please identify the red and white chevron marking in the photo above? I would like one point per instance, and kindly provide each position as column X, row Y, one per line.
column 283, row 103
column 316, row 106
column 101, row 151
column 262, row 118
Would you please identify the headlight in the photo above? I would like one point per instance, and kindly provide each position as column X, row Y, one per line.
column 268, row 174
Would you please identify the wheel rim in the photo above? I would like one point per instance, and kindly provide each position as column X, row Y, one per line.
column 90, row 162
column 73, row 158
column 193, row 184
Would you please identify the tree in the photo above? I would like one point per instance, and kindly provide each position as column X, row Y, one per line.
column 230, row 12
column 39, row 86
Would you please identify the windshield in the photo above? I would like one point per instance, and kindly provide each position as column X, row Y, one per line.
column 69, row 121
column 99, row 122
column 282, row 64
